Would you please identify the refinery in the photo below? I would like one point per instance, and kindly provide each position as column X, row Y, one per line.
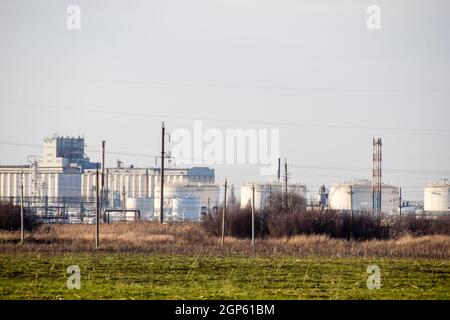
column 63, row 185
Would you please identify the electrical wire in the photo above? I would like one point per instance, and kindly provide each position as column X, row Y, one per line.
column 240, row 121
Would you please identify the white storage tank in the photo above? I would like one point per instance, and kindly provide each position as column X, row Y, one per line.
column 437, row 197
column 207, row 193
column 264, row 191
column 357, row 195
column 144, row 205
column 186, row 208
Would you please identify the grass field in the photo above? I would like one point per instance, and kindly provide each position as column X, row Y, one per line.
column 203, row 276
column 181, row 261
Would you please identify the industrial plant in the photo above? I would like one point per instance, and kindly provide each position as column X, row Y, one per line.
column 63, row 185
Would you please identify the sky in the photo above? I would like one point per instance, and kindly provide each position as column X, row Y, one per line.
column 311, row 69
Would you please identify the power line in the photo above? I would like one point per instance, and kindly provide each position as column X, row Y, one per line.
column 219, row 85
column 296, row 166
column 267, row 123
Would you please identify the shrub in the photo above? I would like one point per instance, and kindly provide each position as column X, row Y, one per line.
column 238, row 223
column 278, row 220
column 10, row 218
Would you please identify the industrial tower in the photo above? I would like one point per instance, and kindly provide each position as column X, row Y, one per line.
column 377, row 173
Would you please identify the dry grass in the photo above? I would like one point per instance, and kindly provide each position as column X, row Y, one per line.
column 191, row 238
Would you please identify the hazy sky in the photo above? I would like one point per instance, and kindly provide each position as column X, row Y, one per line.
column 309, row 68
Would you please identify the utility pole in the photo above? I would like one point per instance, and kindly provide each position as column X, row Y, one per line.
column 224, row 212
column 22, row 234
column 253, row 214
column 163, row 133
column 97, row 222
column 400, row 204
column 102, row 190
column 123, row 203
column 351, row 201
column 279, row 169
column 286, row 184
column 270, row 194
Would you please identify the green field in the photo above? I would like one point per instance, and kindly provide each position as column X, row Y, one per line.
column 141, row 276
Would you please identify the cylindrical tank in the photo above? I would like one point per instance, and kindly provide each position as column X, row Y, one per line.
column 264, row 191
column 208, row 194
column 357, row 195
column 144, row 205
column 186, row 208
column 437, row 197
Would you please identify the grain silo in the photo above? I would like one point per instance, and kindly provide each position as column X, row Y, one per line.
column 437, row 197
column 357, row 195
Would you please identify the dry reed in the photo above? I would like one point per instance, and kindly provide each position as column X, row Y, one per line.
column 190, row 238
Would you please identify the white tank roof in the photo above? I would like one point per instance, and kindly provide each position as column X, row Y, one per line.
column 360, row 183
column 442, row 183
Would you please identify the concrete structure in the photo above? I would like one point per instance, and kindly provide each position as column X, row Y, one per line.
column 145, row 183
column 357, row 196
column 49, row 182
column 437, row 198
column 57, row 174
column 142, row 182
column 264, row 191
column 65, row 175
column 63, row 152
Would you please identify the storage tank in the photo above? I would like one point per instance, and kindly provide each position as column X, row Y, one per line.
column 144, row 205
column 357, row 195
column 437, row 197
column 208, row 194
column 264, row 191
column 186, row 208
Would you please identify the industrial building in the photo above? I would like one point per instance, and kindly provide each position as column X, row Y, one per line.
column 437, row 198
column 62, row 185
column 263, row 192
column 63, row 182
column 357, row 195
column 57, row 174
